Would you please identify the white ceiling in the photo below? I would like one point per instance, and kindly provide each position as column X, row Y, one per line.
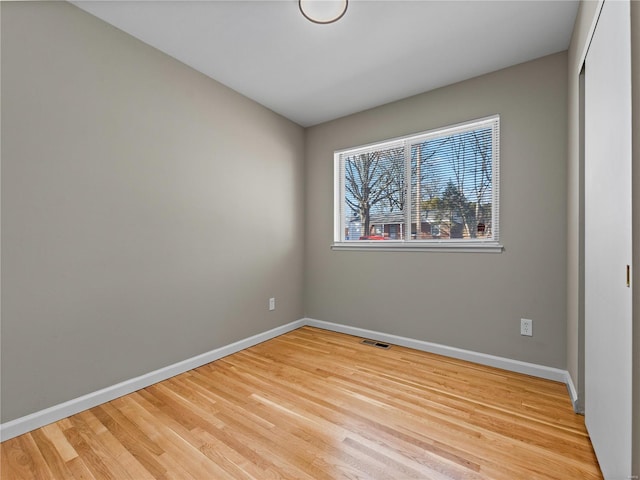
column 380, row 51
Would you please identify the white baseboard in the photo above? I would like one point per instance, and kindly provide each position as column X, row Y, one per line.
column 58, row 412
column 482, row 358
column 573, row 394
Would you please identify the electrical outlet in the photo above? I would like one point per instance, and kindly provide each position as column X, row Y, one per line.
column 526, row 327
column 272, row 303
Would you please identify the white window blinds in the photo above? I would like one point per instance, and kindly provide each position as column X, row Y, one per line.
column 437, row 187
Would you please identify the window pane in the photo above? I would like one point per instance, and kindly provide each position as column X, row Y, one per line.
column 374, row 194
column 451, row 186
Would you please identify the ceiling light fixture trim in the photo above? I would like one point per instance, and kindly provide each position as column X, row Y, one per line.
column 323, row 11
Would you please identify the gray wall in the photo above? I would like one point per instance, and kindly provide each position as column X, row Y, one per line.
column 148, row 212
column 467, row 300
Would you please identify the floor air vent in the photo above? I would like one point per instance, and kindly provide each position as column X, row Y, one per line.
column 373, row 343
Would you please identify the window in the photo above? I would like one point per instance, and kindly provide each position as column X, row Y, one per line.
column 437, row 189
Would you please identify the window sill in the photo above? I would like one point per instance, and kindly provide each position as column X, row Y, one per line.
column 417, row 246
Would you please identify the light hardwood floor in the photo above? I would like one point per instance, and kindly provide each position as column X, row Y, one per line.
column 313, row 404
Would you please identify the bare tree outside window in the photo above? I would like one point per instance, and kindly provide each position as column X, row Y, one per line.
column 374, row 182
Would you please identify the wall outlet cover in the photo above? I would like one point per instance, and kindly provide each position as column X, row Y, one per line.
column 526, row 327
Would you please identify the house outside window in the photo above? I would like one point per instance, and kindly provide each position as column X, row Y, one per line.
column 433, row 190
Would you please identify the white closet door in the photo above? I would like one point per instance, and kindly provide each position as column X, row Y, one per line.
column 608, row 321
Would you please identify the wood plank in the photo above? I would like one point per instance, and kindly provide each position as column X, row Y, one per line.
column 314, row 404
column 52, row 457
column 55, row 435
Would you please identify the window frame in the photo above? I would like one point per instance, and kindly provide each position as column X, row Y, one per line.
column 492, row 245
